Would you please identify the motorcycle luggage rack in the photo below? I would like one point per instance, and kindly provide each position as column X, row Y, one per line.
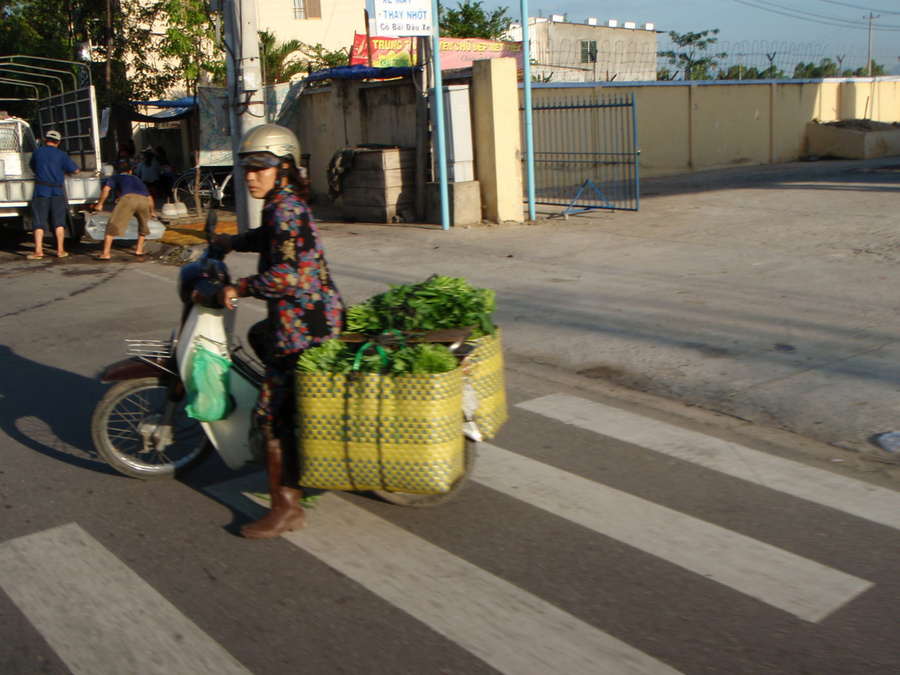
column 149, row 349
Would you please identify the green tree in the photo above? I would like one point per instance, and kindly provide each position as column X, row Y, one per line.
column 828, row 68
column 773, row 72
column 471, row 20
column 692, row 58
column 665, row 74
column 737, row 72
column 35, row 28
column 811, row 71
column 119, row 32
column 877, row 70
column 319, row 58
column 281, row 60
column 189, row 50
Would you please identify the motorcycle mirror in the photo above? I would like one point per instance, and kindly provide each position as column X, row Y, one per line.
column 211, row 219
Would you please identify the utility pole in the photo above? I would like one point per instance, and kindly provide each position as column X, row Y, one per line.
column 246, row 107
column 114, row 153
column 871, row 17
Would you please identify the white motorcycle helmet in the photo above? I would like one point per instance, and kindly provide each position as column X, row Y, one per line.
column 268, row 144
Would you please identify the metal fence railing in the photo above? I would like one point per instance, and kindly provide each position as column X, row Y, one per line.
column 585, row 151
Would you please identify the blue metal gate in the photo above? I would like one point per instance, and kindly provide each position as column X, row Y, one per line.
column 585, row 151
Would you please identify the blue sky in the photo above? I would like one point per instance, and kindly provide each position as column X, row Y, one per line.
column 825, row 22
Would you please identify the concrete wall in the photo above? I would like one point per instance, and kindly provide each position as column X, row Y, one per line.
column 681, row 126
column 693, row 126
column 350, row 113
column 496, row 138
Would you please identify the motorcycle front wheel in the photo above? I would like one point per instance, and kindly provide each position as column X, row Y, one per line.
column 141, row 433
column 426, row 501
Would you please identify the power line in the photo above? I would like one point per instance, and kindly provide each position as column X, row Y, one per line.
column 801, row 12
column 798, row 14
column 865, row 9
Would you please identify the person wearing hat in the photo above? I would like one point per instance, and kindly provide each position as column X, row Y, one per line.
column 304, row 307
column 133, row 200
column 49, row 206
column 150, row 171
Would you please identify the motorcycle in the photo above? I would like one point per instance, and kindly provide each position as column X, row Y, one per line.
column 141, row 427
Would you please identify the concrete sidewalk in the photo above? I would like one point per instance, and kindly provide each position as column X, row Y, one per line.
column 765, row 293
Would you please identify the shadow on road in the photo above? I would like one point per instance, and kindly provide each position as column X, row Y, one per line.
column 49, row 410
column 876, row 175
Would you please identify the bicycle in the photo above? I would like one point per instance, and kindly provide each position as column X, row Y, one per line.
column 210, row 189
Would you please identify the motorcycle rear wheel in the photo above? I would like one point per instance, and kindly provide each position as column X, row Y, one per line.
column 126, row 428
column 426, row 501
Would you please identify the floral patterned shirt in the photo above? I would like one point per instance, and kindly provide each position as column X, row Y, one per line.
column 305, row 308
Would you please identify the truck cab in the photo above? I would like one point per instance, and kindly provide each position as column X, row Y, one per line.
column 74, row 114
column 17, row 144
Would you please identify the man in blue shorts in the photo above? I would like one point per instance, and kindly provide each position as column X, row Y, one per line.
column 49, row 206
column 133, row 200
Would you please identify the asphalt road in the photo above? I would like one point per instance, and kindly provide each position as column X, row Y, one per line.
column 604, row 531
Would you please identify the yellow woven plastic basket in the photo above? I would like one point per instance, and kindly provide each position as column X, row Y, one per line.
column 486, row 376
column 379, row 432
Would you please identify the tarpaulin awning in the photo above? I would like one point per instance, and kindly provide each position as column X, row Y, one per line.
column 172, row 111
column 169, row 115
column 361, row 72
column 183, row 102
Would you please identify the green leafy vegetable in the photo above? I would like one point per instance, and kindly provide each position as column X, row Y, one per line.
column 332, row 356
column 438, row 302
column 335, row 356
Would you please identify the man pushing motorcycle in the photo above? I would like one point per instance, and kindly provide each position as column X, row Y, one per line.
column 304, row 307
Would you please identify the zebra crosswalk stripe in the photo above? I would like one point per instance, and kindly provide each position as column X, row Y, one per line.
column 97, row 614
column 806, row 589
column 857, row 498
column 500, row 623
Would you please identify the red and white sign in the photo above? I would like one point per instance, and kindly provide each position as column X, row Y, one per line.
column 390, row 52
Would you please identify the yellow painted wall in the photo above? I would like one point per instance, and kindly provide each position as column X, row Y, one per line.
column 828, row 100
column 664, row 140
column 794, row 104
column 729, row 125
column 340, row 18
column 684, row 126
column 496, row 137
column 887, row 101
column 680, row 126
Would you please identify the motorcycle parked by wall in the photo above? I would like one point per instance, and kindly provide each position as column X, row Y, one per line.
column 141, row 427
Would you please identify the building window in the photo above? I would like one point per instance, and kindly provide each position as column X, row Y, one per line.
column 307, row 9
column 589, row 51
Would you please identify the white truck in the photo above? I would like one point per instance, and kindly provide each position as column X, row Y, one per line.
column 60, row 105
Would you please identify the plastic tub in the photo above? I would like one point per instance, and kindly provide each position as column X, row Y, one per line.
column 95, row 226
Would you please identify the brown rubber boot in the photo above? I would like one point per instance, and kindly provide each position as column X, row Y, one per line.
column 285, row 514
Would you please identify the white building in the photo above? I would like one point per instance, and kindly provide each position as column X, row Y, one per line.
column 589, row 52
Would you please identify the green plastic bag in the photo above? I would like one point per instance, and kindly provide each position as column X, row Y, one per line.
column 208, row 386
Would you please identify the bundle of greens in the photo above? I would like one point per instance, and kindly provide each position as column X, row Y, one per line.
column 335, row 356
column 439, row 302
